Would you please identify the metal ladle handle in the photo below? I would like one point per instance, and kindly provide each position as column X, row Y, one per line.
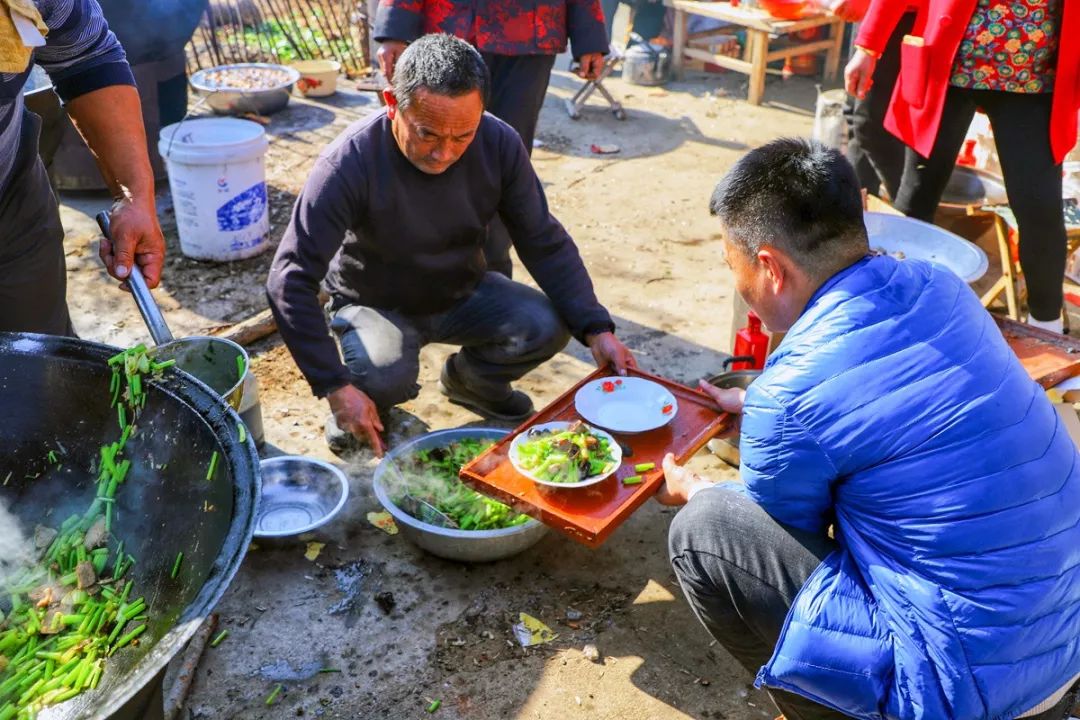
column 151, row 313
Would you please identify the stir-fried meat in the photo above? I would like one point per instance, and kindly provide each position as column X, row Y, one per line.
column 97, row 534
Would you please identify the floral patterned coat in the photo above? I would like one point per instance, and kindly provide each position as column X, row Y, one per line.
column 915, row 113
column 503, row 27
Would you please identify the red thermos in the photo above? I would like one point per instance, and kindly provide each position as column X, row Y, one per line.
column 751, row 342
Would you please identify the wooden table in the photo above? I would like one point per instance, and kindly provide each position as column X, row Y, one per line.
column 1008, row 284
column 762, row 30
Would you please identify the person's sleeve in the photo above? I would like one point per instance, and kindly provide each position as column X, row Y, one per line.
column 880, row 22
column 399, row 20
column 323, row 213
column 545, row 247
column 80, row 53
column 585, row 27
column 785, row 469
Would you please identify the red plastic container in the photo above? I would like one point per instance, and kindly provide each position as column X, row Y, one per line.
column 750, row 341
column 785, row 9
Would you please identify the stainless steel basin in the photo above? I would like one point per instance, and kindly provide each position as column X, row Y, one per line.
column 453, row 544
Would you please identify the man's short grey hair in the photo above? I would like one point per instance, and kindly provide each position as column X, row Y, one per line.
column 441, row 64
column 799, row 196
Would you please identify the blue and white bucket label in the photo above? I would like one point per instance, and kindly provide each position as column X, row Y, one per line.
column 214, row 221
column 243, row 210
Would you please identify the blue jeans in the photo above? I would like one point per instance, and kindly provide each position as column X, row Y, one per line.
column 504, row 329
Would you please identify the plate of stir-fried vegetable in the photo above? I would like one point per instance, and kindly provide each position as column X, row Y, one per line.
column 565, row 454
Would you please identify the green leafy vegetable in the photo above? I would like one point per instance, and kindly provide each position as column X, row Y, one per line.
column 432, row 476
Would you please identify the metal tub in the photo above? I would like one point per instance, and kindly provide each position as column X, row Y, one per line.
column 461, row 545
column 227, row 101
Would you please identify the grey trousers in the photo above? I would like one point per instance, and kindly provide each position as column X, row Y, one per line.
column 33, row 274
column 740, row 571
column 504, row 329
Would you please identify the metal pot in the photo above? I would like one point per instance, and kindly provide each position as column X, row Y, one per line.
column 56, row 390
column 727, row 449
column 212, row 360
column 645, row 63
column 453, row 544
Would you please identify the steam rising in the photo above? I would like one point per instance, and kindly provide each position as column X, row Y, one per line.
column 16, row 549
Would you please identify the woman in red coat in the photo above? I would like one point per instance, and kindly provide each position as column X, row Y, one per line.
column 1019, row 62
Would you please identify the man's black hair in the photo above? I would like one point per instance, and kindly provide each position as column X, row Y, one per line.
column 799, row 196
column 441, row 64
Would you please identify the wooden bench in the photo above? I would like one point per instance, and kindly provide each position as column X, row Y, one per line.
column 762, row 31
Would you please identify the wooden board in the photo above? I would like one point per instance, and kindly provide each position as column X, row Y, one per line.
column 1048, row 357
column 589, row 515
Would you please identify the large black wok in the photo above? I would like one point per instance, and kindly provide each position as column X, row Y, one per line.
column 55, row 392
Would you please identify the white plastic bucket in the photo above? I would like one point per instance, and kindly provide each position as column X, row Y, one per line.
column 217, row 177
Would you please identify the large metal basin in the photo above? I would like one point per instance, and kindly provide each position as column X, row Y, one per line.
column 919, row 240
column 462, row 545
column 231, row 101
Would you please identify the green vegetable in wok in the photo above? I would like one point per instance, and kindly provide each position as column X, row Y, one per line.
column 432, row 476
column 61, row 617
column 568, row 456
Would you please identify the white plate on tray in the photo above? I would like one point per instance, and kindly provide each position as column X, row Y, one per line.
column 626, row 404
column 616, row 454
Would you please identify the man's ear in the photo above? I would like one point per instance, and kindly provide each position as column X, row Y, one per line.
column 775, row 268
column 391, row 102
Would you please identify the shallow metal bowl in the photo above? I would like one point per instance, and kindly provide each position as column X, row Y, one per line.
column 727, row 449
column 919, row 240
column 299, row 494
column 461, row 545
column 227, row 101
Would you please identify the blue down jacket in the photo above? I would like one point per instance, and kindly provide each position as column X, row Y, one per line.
column 895, row 410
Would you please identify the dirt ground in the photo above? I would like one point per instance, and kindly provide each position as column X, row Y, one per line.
column 640, row 217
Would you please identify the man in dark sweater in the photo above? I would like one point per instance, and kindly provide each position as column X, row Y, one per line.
column 392, row 223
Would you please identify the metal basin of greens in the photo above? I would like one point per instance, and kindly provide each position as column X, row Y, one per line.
column 449, row 543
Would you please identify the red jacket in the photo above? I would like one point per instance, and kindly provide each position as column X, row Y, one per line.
column 503, row 27
column 915, row 112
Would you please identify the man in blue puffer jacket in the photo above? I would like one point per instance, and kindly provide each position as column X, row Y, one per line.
column 894, row 413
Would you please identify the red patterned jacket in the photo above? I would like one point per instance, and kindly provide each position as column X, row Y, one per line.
column 503, row 27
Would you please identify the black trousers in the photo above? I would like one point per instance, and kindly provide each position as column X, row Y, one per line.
column 877, row 154
column 1021, row 124
column 518, row 86
column 33, row 274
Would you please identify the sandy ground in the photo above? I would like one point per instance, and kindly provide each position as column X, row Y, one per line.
column 641, row 220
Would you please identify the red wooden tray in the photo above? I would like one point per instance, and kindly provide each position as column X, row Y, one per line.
column 589, row 515
column 1048, row 357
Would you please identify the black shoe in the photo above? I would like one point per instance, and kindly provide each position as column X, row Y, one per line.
column 341, row 442
column 514, row 407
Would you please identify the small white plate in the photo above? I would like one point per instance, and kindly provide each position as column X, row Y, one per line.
column 626, row 404
column 616, row 454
